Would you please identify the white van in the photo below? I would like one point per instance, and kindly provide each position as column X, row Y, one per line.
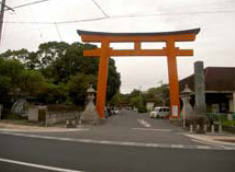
column 160, row 112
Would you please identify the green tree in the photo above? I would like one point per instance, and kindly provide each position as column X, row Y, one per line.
column 53, row 94
column 114, row 80
column 11, row 72
column 49, row 52
column 78, row 85
column 56, row 73
column 32, row 82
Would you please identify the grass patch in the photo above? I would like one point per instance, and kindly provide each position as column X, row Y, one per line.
column 228, row 123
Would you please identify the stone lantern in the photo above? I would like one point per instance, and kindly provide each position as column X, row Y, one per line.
column 187, row 109
column 90, row 93
column 90, row 115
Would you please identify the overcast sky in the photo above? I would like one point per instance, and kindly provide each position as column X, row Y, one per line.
column 29, row 26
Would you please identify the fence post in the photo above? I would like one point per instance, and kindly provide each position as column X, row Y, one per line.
column 220, row 128
column 191, row 128
column 212, row 129
column 205, row 128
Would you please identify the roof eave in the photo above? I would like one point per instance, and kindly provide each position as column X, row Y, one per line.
column 182, row 32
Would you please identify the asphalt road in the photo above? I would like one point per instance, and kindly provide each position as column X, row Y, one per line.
column 126, row 127
column 90, row 157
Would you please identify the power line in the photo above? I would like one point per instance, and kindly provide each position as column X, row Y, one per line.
column 58, row 31
column 28, row 4
column 99, row 7
column 122, row 16
column 173, row 13
column 80, row 21
column 52, row 23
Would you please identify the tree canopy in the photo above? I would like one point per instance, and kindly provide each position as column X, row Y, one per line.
column 56, row 73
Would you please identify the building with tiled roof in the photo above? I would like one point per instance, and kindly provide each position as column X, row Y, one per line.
column 219, row 88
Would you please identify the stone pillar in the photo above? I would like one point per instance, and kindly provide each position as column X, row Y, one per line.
column 199, row 88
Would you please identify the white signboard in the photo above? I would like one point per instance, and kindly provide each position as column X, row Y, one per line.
column 175, row 110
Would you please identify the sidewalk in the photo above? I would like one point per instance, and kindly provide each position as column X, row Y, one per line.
column 216, row 139
column 29, row 128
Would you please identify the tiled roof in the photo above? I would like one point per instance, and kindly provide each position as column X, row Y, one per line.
column 216, row 79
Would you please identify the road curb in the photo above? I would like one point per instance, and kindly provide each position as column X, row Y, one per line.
column 43, row 130
column 211, row 139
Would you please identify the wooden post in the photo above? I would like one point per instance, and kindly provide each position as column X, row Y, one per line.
column 102, row 78
column 173, row 79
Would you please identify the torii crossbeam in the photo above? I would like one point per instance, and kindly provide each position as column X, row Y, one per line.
column 137, row 38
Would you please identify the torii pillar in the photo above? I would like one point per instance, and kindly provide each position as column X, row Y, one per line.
column 105, row 52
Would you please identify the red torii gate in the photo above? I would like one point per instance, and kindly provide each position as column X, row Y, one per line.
column 170, row 51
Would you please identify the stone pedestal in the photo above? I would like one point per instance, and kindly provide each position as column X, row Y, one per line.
column 90, row 115
column 199, row 87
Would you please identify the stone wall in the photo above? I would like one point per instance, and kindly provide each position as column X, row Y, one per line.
column 60, row 117
column 51, row 116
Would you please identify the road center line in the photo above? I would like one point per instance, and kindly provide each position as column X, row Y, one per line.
column 144, row 123
column 45, row 167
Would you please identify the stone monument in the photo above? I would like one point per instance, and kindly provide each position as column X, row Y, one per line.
column 199, row 88
column 90, row 115
column 197, row 116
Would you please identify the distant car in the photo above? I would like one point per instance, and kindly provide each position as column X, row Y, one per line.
column 160, row 112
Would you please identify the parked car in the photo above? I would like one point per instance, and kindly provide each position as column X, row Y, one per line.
column 160, row 112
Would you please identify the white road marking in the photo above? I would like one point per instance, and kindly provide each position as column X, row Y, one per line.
column 208, row 143
column 152, row 129
column 229, row 148
column 144, row 123
column 45, row 167
column 203, row 147
column 177, row 146
column 122, row 143
column 152, row 145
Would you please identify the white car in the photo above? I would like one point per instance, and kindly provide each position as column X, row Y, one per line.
column 160, row 112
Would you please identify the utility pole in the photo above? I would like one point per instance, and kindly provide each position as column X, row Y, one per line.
column 1, row 18
column 3, row 5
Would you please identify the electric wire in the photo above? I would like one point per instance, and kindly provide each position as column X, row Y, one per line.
column 29, row 4
column 124, row 16
column 100, row 8
column 58, row 31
